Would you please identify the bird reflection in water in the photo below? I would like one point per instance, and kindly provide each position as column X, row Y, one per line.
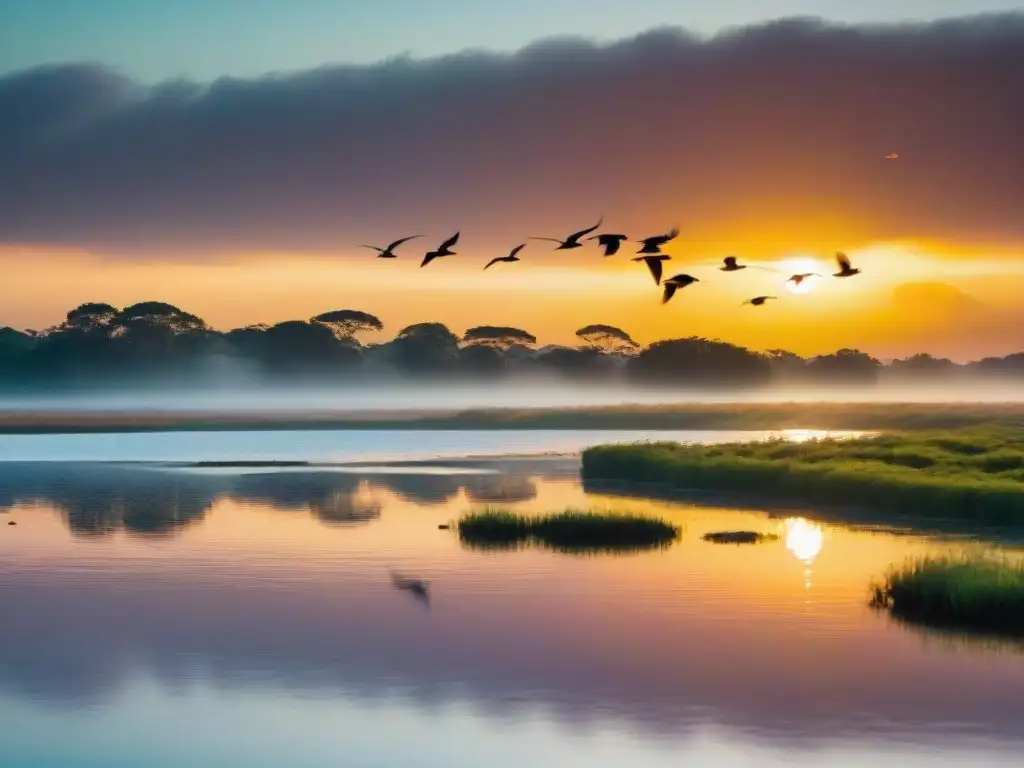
column 804, row 539
column 418, row 588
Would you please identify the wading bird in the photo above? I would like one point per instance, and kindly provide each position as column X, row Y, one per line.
column 845, row 268
column 510, row 258
column 757, row 301
column 444, row 250
column 610, row 243
column 731, row 264
column 674, row 283
column 418, row 588
column 573, row 240
column 654, row 244
column 654, row 263
column 389, row 251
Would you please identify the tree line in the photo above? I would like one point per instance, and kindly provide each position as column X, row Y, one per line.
column 156, row 343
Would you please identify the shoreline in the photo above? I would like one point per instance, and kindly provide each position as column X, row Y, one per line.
column 737, row 416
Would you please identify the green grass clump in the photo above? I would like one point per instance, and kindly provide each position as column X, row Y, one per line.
column 975, row 474
column 974, row 593
column 739, row 537
column 569, row 531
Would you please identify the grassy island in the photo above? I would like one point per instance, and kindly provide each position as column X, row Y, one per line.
column 973, row 593
column 975, row 474
column 569, row 531
column 739, row 537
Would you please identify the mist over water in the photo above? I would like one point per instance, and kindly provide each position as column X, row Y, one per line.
column 389, row 395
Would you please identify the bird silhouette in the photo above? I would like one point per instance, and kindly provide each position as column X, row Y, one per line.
column 654, row 263
column 388, row 252
column 444, row 250
column 731, row 264
column 573, row 240
column 654, row 244
column 757, row 301
column 418, row 588
column 610, row 243
column 510, row 258
column 845, row 268
column 797, row 279
column 673, row 283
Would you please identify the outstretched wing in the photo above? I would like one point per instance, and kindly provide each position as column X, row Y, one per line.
column 428, row 258
column 373, row 248
column 548, row 239
column 492, row 262
column 517, row 249
column 450, row 241
column 399, row 242
column 670, row 290
column 611, row 247
column 575, row 236
column 843, row 261
column 656, row 266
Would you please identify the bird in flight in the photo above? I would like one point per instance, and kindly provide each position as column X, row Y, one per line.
column 444, row 250
column 654, row 244
column 797, row 279
column 731, row 264
column 673, row 283
column 388, row 252
column 893, row 156
column 757, row 301
column 654, row 263
column 610, row 243
column 845, row 268
column 513, row 256
column 573, row 240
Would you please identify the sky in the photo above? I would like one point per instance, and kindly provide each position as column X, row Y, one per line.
column 231, row 158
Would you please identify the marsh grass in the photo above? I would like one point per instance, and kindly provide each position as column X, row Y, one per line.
column 977, row 474
column 976, row 593
column 570, row 531
column 739, row 537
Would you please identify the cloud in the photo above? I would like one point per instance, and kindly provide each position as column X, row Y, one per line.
column 784, row 124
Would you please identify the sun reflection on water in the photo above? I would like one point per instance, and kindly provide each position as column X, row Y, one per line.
column 804, row 539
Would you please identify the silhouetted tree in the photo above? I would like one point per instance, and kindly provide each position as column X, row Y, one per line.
column 297, row 346
column 700, row 362
column 1011, row 365
column 847, row 366
column 585, row 362
column 482, row 359
column 608, row 338
column 425, row 347
column 347, row 323
column 923, row 365
column 785, row 364
column 499, row 336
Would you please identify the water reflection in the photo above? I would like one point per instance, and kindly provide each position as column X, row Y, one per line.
column 672, row 648
column 804, row 539
column 101, row 499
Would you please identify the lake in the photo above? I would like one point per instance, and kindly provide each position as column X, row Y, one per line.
column 170, row 616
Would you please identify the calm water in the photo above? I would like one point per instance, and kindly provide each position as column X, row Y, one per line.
column 173, row 617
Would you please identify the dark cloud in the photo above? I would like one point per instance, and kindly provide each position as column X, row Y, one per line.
column 785, row 122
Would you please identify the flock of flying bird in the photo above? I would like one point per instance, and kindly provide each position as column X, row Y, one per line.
column 650, row 253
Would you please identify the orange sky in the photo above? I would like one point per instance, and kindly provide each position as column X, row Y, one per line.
column 910, row 298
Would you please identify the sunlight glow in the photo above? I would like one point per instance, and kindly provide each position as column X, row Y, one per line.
column 804, row 539
column 799, row 265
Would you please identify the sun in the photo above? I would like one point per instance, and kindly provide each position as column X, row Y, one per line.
column 801, row 265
